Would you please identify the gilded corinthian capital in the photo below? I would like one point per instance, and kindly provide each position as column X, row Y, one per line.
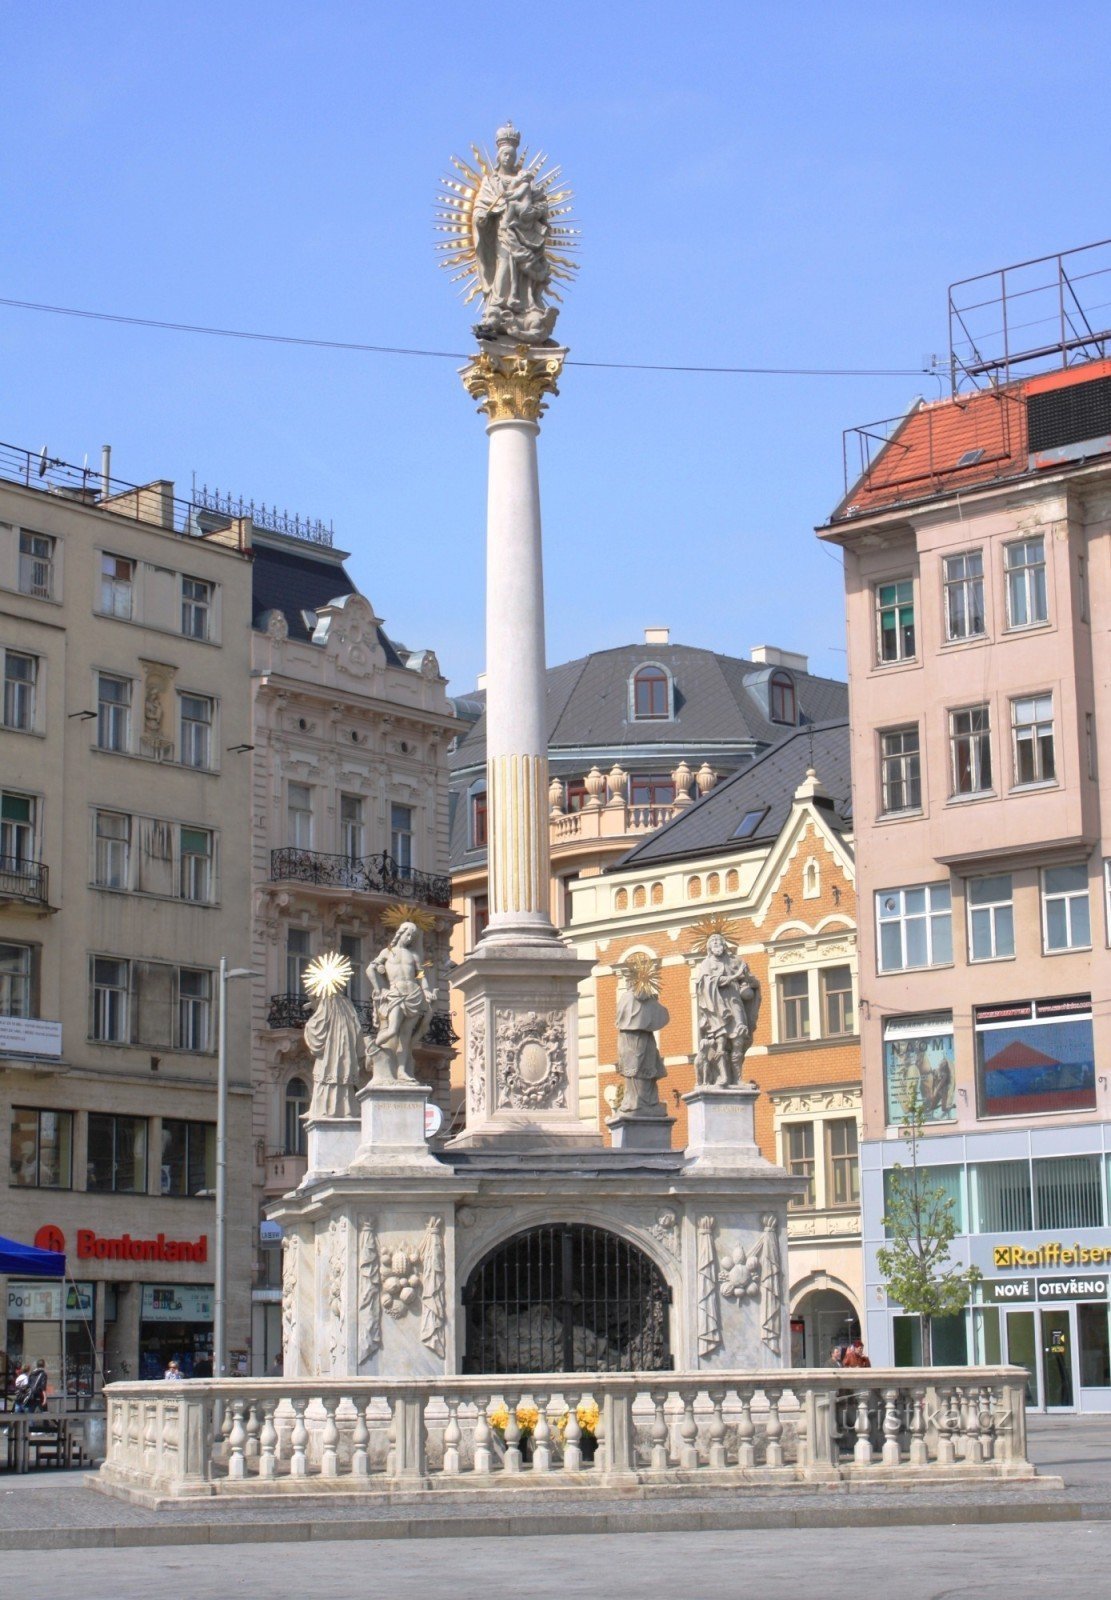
column 511, row 385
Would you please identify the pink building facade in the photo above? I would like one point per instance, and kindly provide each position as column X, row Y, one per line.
column 977, row 551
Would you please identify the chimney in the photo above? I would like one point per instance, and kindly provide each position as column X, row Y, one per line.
column 657, row 635
column 770, row 655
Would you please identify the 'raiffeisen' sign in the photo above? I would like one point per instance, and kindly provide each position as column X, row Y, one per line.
column 1051, row 1255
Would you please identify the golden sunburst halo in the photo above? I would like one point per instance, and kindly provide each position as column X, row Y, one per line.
column 704, row 929
column 455, row 206
column 328, row 974
column 642, row 973
column 402, row 911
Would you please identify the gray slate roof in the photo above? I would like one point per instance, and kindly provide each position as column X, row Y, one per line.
column 770, row 781
column 292, row 583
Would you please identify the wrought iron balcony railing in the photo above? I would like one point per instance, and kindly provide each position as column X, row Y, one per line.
column 294, row 1010
column 23, row 880
column 376, row 874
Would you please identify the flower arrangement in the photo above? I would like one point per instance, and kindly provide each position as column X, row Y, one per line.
column 527, row 1418
column 586, row 1413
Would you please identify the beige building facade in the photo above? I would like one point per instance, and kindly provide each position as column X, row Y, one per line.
column 124, row 789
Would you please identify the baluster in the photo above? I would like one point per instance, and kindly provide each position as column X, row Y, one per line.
column 298, row 1441
column 659, row 1431
column 802, row 1441
column 483, row 1456
column 360, row 1442
column 601, row 1437
column 862, row 1450
column 542, row 1438
column 717, row 1430
column 919, row 1456
column 987, row 1424
column 391, row 1440
column 688, row 1432
column 452, row 1436
column 773, row 1428
column 891, row 1427
column 572, row 1436
column 512, row 1434
column 746, row 1429
column 150, row 1412
column 946, row 1454
column 268, row 1443
column 329, row 1439
column 254, row 1423
column 237, row 1439
column 973, row 1451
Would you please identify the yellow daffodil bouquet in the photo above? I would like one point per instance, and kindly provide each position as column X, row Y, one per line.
column 527, row 1418
column 587, row 1414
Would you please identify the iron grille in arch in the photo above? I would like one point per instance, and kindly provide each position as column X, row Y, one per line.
column 566, row 1298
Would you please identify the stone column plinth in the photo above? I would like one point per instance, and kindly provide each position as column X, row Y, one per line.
column 721, row 1128
column 392, row 1132
column 640, row 1132
column 331, row 1142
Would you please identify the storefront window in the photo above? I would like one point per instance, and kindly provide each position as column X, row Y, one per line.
column 1068, row 1193
column 117, row 1154
column 188, row 1157
column 1095, row 1350
column 1001, row 1201
column 1035, row 1056
column 950, row 1180
column 949, row 1337
column 175, row 1324
column 37, row 1330
column 42, row 1148
column 918, row 1055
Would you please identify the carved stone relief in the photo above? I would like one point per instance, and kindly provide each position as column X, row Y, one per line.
column 665, row 1230
column 709, row 1296
column 157, row 738
column 531, row 1054
column 291, row 1249
column 476, row 1063
column 756, row 1272
column 370, row 1291
column 334, row 1275
column 401, row 1280
column 433, row 1321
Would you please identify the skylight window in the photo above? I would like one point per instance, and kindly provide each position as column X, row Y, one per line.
column 750, row 822
column 970, row 458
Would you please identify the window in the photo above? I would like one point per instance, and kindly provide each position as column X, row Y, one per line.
column 110, row 1021
column 575, row 794
column 1032, row 734
column 651, row 695
column 781, row 696
column 836, row 985
column 1068, row 1193
column 17, row 830
column 188, row 1157
column 799, row 1160
column 1024, row 567
column 196, row 730
column 20, row 677
column 113, row 850
column 113, row 712
column 1035, row 1056
column 194, row 1009
column 401, row 837
column 116, row 584
column 900, row 770
column 480, row 917
column 949, row 1179
column 650, row 789
column 794, row 1005
column 196, row 606
column 352, row 841
column 195, row 850
column 991, row 918
column 842, row 1163
column 42, row 1148
column 918, row 1064
column 1066, row 916
column 36, row 564
column 117, row 1154
column 1001, row 1197
column 479, row 820
column 964, row 595
column 296, row 1107
column 750, row 822
column 298, row 814
column 895, row 621
column 298, row 954
column 915, row 927
column 970, row 750
column 15, row 980
column 351, row 946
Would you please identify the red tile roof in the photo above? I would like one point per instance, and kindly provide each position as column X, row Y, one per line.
column 921, row 457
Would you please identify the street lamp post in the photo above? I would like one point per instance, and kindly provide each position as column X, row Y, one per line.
column 219, row 1330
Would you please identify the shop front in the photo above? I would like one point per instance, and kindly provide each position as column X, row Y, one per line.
column 175, row 1323
column 1054, row 1324
column 54, row 1321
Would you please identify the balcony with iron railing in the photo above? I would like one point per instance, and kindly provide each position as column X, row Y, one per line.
column 26, row 881
column 374, row 874
column 294, row 1010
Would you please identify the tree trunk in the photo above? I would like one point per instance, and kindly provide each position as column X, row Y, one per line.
column 927, row 1341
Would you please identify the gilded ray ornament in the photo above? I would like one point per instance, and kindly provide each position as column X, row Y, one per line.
column 401, row 911
column 328, row 974
column 642, row 974
column 704, row 929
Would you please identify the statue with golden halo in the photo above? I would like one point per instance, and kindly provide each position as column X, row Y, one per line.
column 639, row 1015
column 403, row 1002
column 727, row 995
column 334, row 1038
column 509, row 237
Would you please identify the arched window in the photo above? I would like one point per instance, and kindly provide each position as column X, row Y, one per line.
column 781, row 688
column 651, row 695
column 296, row 1104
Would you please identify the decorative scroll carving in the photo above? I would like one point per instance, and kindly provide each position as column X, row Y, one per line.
column 709, row 1301
column 531, row 1051
column 370, row 1291
column 433, row 1321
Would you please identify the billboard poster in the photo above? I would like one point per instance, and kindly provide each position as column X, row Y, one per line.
column 1035, row 1056
column 918, row 1051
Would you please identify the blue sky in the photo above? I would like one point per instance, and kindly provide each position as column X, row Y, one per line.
column 791, row 185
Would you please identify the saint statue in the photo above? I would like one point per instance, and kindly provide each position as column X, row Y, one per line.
column 403, row 1005
column 728, row 999
column 639, row 1015
column 334, row 1038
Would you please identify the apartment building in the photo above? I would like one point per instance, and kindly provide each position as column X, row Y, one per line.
column 124, row 876
column 977, row 548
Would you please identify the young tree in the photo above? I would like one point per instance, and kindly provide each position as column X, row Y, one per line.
column 921, row 1226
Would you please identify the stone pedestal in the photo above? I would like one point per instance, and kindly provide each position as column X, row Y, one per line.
column 721, row 1128
column 392, row 1130
column 640, row 1132
column 331, row 1144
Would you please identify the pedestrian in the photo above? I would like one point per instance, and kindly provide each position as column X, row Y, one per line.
column 173, row 1370
column 835, row 1356
column 34, row 1398
column 854, row 1356
column 19, row 1387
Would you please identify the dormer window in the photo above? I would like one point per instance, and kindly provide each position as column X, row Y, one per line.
column 781, row 693
column 651, row 695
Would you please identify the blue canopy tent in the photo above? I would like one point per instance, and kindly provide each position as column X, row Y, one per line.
column 25, row 1261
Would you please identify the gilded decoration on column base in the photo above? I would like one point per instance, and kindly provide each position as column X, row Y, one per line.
column 510, row 384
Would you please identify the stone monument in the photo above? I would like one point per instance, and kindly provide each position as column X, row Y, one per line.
column 393, row 1251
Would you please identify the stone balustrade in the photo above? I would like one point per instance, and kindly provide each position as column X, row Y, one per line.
column 256, row 1435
